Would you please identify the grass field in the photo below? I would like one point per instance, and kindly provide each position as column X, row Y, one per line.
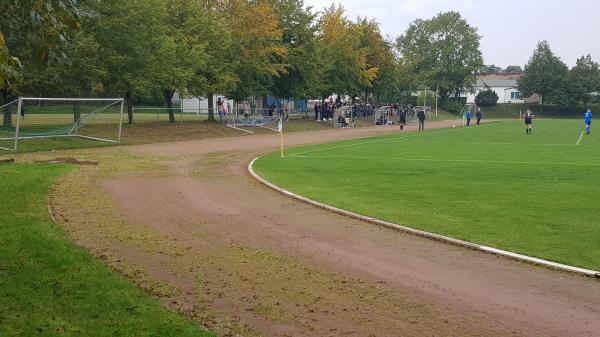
column 492, row 184
column 50, row 287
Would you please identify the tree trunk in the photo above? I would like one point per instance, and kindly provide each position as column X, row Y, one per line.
column 7, row 119
column 211, row 108
column 168, row 96
column 76, row 112
column 129, row 102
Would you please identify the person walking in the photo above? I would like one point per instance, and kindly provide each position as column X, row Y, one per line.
column 402, row 119
column 528, row 121
column 468, row 117
column 221, row 109
column 478, row 116
column 587, row 117
column 421, row 117
column 317, row 112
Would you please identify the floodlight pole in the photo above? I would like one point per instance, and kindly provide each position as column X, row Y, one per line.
column 19, row 107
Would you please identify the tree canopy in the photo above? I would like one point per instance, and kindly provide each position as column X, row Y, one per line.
column 445, row 52
column 546, row 75
column 146, row 50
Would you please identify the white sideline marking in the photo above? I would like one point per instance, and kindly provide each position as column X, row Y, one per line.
column 580, row 138
column 437, row 237
column 455, row 160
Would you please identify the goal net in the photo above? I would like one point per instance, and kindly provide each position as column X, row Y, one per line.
column 37, row 121
column 247, row 120
column 469, row 107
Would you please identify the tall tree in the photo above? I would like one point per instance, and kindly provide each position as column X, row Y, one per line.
column 378, row 54
column 343, row 62
column 546, row 75
column 257, row 49
column 34, row 33
column 583, row 79
column 206, row 28
column 298, row 27
column 130, row 34
column 445, row 51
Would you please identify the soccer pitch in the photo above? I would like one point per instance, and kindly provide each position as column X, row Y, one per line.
column 491, row 184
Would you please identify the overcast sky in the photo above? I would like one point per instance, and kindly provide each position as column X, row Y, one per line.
column 510, row 28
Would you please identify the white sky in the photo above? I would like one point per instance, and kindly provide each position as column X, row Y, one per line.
column 510, row 28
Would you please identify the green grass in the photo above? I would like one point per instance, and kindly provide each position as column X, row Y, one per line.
column 547, row 111
column 492, row 184
column 50, row 287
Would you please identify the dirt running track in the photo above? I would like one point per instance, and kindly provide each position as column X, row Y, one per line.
column 273, row 266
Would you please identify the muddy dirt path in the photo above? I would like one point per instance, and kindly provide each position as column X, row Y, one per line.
column 245, row 260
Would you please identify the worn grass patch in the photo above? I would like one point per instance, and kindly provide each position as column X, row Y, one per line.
column 50, row 287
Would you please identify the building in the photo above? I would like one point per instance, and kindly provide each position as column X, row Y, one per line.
column 504, row 85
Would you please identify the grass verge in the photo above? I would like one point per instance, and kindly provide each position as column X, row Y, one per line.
column 49, row 287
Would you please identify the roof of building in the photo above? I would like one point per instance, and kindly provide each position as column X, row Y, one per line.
column 481, row 83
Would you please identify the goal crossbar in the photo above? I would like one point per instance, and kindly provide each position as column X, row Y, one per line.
column 17, row 110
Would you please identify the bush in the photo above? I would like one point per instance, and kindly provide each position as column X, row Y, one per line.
column 486, row 98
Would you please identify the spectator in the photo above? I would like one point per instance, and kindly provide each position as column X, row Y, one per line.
column 221, row 109
column 421, row 117
column 402, row 120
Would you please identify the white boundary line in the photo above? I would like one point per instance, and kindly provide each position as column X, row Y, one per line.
column 580, row 138
column 436, row 237
column 451, row 160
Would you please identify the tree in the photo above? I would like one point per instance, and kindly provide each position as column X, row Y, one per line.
column 257, row 50
column 545, row 75
column 206, row 29
column 492, row 69
column 583, row 79
column 513, row 70
column 299, row 37
column 445, row 52
column 34, row 32
column 379, row 56
column 131, row 34
column 486, row 97
column 342, row 61
column 185, row 51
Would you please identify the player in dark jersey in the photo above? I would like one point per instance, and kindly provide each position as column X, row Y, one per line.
column 528, row 119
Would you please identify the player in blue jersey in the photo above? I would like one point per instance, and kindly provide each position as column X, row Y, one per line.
column 587, row 117
column 468, row 116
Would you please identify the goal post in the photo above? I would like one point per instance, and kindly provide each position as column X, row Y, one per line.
column 88, row 119
column 466, row 108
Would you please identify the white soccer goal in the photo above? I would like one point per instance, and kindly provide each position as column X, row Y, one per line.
column 466, row 108
column 92, row 119
column 246, row 121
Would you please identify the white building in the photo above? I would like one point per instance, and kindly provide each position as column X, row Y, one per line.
column 506, row 89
